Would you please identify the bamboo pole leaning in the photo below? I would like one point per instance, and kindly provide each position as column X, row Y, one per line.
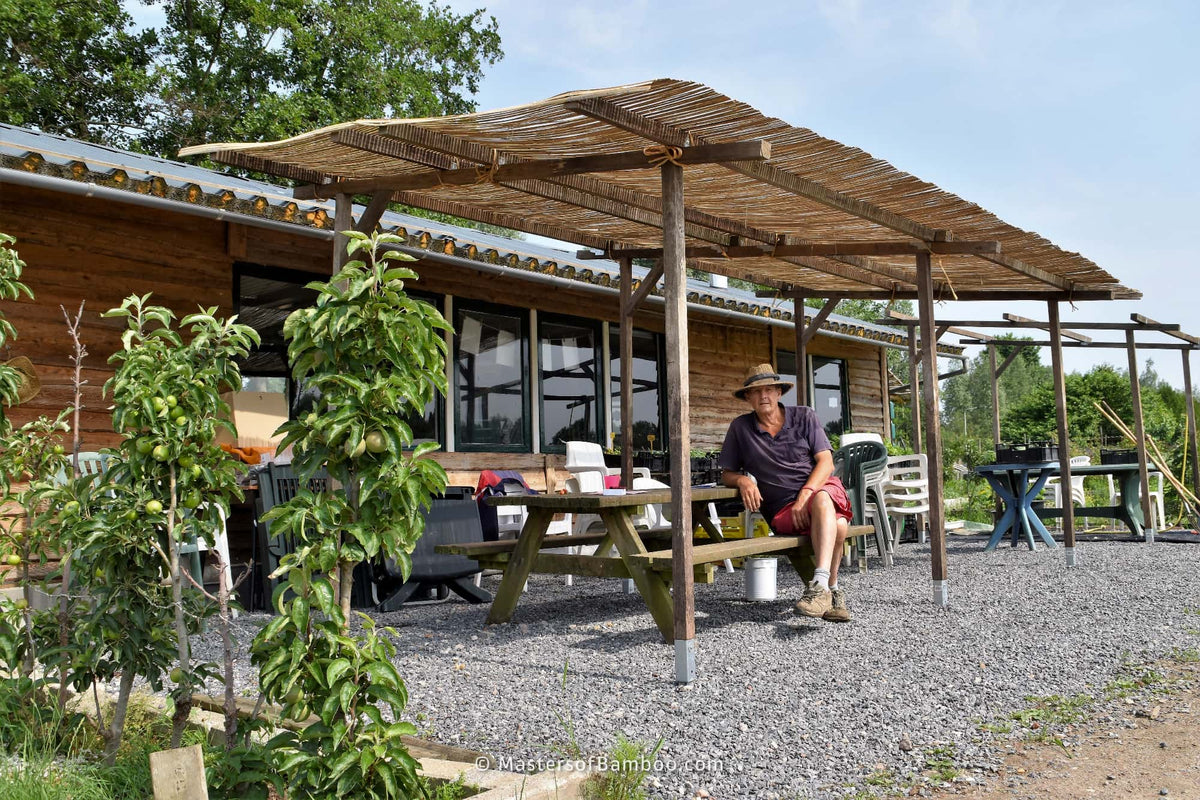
column 1185, row 494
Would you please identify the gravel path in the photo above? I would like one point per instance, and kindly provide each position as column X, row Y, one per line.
column 785, row 707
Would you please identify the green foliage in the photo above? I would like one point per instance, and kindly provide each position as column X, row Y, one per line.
column 940, row 762
column 11, row 288
column 74, row 68
column 1043, row 713
column 628, row 763
column 371, row 354
column 234, row 71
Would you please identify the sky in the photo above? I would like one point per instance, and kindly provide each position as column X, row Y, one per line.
column 1077, row 120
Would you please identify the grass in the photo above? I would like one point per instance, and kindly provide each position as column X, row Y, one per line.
column 1045, row 713
column 43, row 778
column 939, row 762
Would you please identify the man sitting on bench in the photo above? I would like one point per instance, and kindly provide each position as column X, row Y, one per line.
column 788, row 453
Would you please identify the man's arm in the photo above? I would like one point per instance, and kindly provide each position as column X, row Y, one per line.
column 751, row 497
column 822, row 469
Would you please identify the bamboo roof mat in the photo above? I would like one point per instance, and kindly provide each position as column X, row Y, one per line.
column 845, row 194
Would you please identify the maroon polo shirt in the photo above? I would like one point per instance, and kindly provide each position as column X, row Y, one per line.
column 782, row 463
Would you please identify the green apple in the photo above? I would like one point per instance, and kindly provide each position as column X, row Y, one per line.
column 376, row 442
column 153, row 507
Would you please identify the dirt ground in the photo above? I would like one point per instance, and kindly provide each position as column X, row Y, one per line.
column 1143, row 748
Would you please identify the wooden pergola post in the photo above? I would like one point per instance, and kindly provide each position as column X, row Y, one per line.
column 679, row 405
column 1191, row 420
column 802, row 398
column 1064, row 438
column 914, row 384
column 991, row 348
column 933, row 429
column 1139, row 429
column 343, row 220
column 626, row 333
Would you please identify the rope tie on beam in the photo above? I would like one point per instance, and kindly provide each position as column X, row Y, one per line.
column 946, row 275
column 660, row 154
column 487, row 174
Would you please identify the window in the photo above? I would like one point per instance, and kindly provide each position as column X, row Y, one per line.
column 491, row 386
column 829, row 394
column 568, row 364
column 647, row 397
column 785, row 362
column 829, row 389
column 427, row 426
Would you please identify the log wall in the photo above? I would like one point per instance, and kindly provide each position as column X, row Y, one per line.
column 88, row 249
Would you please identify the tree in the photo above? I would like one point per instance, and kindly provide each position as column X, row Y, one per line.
column 259, row 70
column 74, row 67
column 222, row 70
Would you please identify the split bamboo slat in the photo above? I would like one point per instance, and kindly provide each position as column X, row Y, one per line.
column 520, row 165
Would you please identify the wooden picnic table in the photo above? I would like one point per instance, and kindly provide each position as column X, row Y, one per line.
column 649, row 569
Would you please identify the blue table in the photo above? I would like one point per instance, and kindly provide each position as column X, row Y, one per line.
column 1012, row 484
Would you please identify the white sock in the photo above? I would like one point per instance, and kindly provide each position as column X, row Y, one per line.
column 833, row 586
column 821, row 578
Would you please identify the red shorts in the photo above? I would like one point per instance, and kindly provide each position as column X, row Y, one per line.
column 782, row 522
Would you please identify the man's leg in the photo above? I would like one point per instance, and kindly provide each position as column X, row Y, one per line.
column 827, row 537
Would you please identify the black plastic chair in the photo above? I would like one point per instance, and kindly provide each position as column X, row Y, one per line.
column 852, row 464
column 277, row 483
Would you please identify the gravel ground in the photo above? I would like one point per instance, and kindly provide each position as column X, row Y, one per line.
column 783, row 706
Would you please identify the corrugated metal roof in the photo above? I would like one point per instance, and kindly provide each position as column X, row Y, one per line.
column 25, row 150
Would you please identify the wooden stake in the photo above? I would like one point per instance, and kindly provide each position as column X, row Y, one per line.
column 343, row 220
column 933, row 429
column 1139, row 429
column 1064, row 438
column 995, row 395
column 679, row 405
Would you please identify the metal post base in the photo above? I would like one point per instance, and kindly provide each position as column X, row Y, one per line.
column 941, row 593
column 685, row 660
column 1069, row 552
column 1149, row 535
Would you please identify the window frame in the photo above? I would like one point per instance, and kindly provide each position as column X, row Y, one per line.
column 597, row 329
column 660, row 366
column 522, row 314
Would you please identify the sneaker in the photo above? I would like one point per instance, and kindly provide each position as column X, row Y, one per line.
column 838, row 611
column 815, row 602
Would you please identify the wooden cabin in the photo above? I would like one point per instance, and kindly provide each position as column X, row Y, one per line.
column 96, row 224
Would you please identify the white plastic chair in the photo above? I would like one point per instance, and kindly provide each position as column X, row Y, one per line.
column 1054, row 484
column 906, row 493
column 1158, row 514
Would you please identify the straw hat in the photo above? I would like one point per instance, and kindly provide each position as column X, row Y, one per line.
column 29, row 386
column 761, row 375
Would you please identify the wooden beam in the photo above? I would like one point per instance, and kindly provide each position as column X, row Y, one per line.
column 504, row 172
column 645, row 287
column 994, row 374
column 1085, row 345
column 1194, row 449
column 812, row 250
column 647, row 127
column 801, row 345
column 893, row 314
column 1084, row 326
column 626, row 331
column 933, row 429
column 1007, row 359
column 373, row 212
column 1064, row 436
column 820, row 318
column 679, row 411
column 501, row 220
column 1141, row 320
column 1002, row 295
column 1020, row 267
column 1033, row 323
column 343, row 220
column 914, row 383
column 1139, row 429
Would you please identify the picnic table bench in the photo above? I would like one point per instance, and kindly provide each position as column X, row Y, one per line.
column 650, row 570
